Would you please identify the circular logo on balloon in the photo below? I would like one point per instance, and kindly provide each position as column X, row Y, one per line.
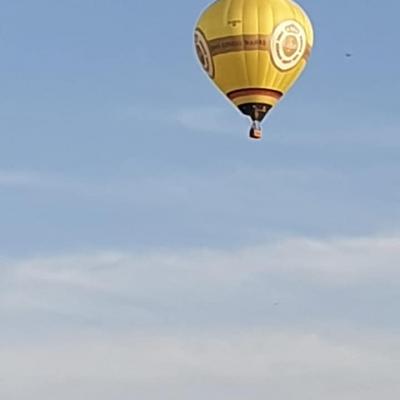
column 203, row 53
column 288, row 44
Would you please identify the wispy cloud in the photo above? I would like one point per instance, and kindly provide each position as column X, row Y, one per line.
column 222, row 365
column 209, row 119
column 192, row 118
column 164, row 323
column 163, row 277
column 223, row 119
column 20, row 178
column 235, row 204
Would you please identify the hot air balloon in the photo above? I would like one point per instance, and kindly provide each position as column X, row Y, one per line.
column 254, row 51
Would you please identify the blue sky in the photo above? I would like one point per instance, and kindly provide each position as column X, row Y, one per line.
column 135, row 210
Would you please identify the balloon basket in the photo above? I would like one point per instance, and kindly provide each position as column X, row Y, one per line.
column 255, row 131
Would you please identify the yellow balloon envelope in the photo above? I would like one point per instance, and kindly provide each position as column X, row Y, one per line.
column 254, row 50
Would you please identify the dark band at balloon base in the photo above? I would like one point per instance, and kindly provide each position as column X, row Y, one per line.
column 255, row 102
column 255, row 92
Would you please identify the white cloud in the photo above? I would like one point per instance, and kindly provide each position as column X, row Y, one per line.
column 147, row 288
column 19, row 178
column 173, row 324
column 215, row 365
column 337, row 262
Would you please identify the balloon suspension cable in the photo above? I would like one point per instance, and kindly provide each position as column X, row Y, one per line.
column 255, row 130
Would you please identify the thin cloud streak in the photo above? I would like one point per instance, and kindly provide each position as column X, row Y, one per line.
column 152, row 285
column 192, row 118
column 253, row 363
column 340, row 261
column 20, row 178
